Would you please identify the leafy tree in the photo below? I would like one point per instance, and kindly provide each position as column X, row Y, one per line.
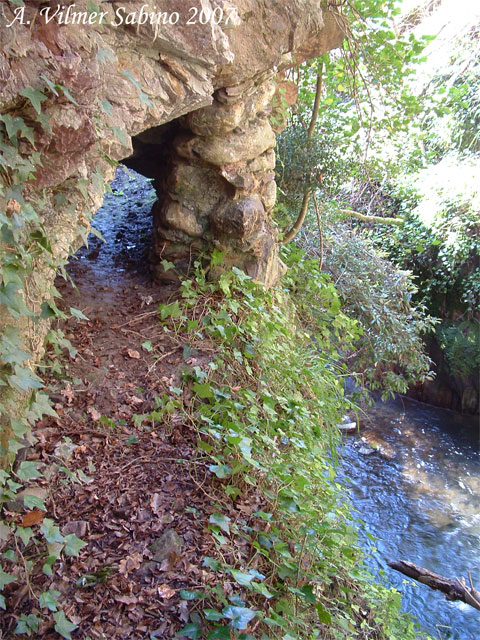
column 338, row 163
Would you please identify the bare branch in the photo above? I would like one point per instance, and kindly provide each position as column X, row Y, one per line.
column 453, row 589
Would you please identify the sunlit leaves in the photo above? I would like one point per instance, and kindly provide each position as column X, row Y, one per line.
column 239, row 616
column 35, row 96
column 27, row 471
column 73, row 545
column 49, row 599
column 191, row 630
column 5, row 578
column 51, row 531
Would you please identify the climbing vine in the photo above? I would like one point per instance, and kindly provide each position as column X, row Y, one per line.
column 28, row 260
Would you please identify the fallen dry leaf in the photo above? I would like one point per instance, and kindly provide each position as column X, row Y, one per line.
column 32, row 517
column 95, row 415
column 166, row 592
column 13, row 206
column 68, row 394
column 169, row 563
column 130, row 563
column 127, row 599
column 133, row 354
column 157, row 503
column 183, row 613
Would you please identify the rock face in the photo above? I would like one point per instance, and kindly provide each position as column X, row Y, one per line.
column 191, row 82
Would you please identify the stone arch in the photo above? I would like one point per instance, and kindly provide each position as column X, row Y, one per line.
column 213, row 171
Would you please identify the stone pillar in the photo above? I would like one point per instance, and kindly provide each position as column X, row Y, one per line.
column 220, row 188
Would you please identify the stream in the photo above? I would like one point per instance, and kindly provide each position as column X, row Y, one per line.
column 418, row 490
column 419, row 493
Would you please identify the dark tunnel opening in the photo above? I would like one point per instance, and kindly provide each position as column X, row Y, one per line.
column 121, row 239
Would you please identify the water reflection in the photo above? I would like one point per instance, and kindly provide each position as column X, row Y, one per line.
column 420, row 494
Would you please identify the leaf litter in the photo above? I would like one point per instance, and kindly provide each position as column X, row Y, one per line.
column 116, row 480
column 134, row 488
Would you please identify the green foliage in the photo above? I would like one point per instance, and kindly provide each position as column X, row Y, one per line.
column 461, row 344
column 265, row 409
column 440, row 241
column 386, row 349
column 367, row 105
column 394, row 137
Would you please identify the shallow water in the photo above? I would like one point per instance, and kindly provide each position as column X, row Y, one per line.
column 125, row 222
column 419, row 492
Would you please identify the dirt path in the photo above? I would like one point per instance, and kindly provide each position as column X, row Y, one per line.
column 138, row 497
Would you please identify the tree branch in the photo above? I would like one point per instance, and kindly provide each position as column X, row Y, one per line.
column 361, row 216
column 453, row 589
column 306, row 196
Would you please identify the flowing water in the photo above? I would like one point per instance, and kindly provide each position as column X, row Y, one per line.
column 419, row 493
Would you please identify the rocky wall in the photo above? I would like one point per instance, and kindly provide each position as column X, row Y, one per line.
column 189, row 80
column 134, row 66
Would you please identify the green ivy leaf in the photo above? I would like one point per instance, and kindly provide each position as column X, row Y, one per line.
column 41, row 406
column 73, row 545
column 220, row 470
column 67, row 94
column 242, row 578
column 48, row 564
column 5, row 578
column 24, row 533
column 259, row 587
column 35, row 96
column 211, row 614
column 51, row 531
column 203, row 390
column 78, row 314
column 323, row 615
column 27, row 471
column 221, row 633
column 191, row 595
column 239, row 616
column 221, row 521
column 49, row 599
column 34, row 502
column 170, row 310
column 26, row 624
column 191, row 630
column 307, row 592
column 211, row 563
column 25, row 380
column 63, row 626
column 49, row 84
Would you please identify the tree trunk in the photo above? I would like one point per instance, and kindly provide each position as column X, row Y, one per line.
column 306, row 196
